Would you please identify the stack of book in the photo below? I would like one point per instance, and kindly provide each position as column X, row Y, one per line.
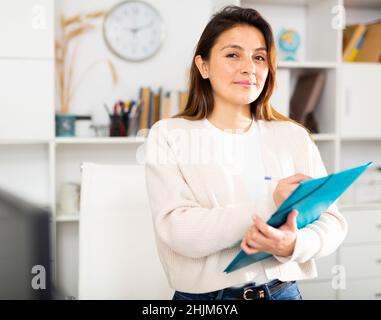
column 159, row 105
column 362, row 42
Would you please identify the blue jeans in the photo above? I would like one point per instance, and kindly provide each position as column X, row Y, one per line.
column 273, row 290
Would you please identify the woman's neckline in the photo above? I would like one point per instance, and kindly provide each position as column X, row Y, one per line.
column 229, row 131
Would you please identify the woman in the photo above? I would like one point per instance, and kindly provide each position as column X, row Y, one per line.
column 205, row 172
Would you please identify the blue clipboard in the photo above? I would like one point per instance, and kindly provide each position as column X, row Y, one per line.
column 311, row 198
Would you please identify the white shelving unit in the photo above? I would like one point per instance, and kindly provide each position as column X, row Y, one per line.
column 347, row 114
column 51, row 161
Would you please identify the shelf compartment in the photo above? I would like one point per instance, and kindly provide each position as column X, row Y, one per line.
column 305, row 17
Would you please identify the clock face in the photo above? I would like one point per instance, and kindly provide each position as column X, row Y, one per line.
column 133, row 30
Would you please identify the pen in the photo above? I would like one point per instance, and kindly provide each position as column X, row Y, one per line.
column 107, row 110
column 269, row 178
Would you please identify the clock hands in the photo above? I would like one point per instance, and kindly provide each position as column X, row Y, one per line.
column 136, row 30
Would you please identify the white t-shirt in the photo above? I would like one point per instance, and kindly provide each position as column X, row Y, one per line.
column 244, row 156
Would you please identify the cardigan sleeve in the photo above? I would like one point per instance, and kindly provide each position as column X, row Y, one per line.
column 323, row 236
column 179, row 220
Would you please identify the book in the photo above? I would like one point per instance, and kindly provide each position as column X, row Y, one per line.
column 347, row 34
column 165, row 106
column 356, row 32
column 311, row 198
column 150, row 111
column 156, row 107
column 145, row 97
column 305, row 97
column 370, row 51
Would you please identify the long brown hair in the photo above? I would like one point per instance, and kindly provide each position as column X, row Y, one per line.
column 200, row 100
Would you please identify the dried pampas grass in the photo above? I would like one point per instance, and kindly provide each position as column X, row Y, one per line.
column 72, row 28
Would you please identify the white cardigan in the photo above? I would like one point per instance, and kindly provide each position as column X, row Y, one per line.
column 200, row 217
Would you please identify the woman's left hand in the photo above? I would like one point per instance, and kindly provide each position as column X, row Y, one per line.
column 262, row 237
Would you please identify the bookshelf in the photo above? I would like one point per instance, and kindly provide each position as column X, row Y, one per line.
column 363, row 279
column 348, row 113
column 53, row 161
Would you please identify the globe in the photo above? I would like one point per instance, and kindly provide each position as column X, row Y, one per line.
column 288, row 42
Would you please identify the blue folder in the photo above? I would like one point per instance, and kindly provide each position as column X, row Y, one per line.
column 311, row 198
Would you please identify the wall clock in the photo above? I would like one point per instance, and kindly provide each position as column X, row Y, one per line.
column 133, row 30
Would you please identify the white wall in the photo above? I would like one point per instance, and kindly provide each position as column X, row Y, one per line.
column 183, row 20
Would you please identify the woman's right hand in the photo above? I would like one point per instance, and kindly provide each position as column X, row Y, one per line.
column 286, row 186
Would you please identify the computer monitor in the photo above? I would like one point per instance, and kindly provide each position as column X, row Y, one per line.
column 25, row 256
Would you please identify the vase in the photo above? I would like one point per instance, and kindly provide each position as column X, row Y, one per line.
column 65, row 125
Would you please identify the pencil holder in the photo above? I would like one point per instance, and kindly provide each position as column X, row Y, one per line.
column 117, row 126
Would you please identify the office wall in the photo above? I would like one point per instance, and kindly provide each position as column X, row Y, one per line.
column 184, row 21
